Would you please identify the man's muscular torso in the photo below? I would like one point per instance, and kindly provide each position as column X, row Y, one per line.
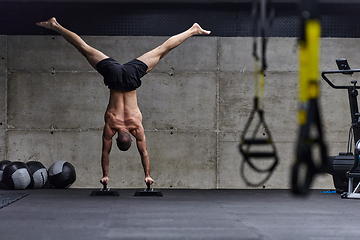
column 123, row 113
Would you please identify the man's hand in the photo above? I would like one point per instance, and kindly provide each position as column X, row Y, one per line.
column 149, row 179
column 104, row 179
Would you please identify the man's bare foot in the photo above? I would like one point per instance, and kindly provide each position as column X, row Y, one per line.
column 49, row 24
column 198, row 30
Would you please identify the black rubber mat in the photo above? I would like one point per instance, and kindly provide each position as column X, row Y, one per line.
column 8, row 198
column 191, row 214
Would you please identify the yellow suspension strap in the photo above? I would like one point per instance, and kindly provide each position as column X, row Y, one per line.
column 256, row 144
column 310, row 140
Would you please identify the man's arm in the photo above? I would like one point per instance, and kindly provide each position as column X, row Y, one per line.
column 141, row 146
column 108, row 133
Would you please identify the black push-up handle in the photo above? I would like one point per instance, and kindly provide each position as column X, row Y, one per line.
column 104, row 185
column 104, row 191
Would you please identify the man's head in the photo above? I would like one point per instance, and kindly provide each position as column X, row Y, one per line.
column 123, row 141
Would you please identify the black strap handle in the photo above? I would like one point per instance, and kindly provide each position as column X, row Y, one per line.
column 304, row 151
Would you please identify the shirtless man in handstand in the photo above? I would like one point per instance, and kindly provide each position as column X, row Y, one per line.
column 122, row 115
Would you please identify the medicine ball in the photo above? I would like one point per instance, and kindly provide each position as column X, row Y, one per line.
column 17, row 175
column 61, row 174
column 39, row 173
column 2, row 167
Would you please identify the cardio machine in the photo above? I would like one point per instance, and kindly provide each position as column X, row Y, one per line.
column 345, row 167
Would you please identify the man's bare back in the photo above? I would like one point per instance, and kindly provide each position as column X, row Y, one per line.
column 123, row 113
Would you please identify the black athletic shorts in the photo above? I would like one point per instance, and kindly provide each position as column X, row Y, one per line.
column 124, row 77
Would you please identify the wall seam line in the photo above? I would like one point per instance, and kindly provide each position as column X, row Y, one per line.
column 217, row 112
column 5, row 125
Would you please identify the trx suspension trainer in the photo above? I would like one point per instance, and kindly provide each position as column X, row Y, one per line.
column 258, row 150
column 310, row 140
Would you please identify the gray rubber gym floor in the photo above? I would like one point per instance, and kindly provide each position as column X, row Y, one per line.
column 180, row 214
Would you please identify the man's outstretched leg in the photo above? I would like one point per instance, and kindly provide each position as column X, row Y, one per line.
column 93, row 55
column 152, row 58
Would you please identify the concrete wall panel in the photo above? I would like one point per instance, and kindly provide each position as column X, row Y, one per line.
column 178, row 160
column 335, row 109
column 236, row 93
column 44, row 53
column 282, row 55
column 236, row 54
column 62, row 100
column 182, row 101
column 236, row 100
column 2, row 99
column 334, row 48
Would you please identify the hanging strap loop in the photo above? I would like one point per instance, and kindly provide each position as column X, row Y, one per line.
column 309, row 114
column 247, row 143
